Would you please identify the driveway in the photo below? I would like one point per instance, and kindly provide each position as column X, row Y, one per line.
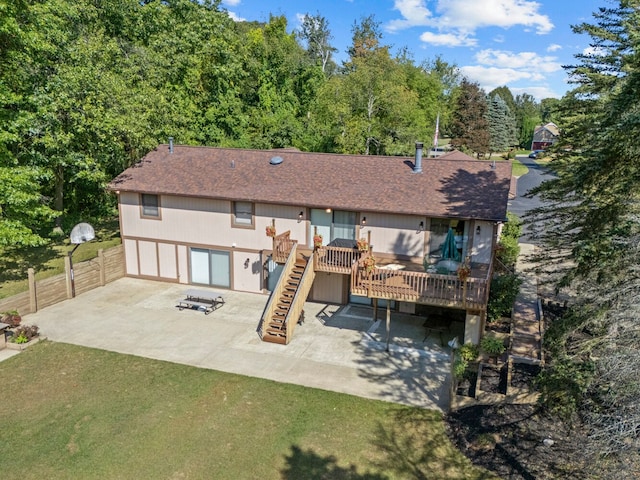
column 520, row 205
column 338, row 348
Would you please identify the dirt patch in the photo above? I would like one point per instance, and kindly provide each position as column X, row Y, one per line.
column 518, row 442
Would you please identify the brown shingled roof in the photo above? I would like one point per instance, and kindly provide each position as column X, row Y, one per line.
column 446, row 188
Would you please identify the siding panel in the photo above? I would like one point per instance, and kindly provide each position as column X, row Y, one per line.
column 148, row 258
column 167, row 258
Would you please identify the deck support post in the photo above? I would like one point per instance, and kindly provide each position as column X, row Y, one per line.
column 388, row 322
column 375, row 309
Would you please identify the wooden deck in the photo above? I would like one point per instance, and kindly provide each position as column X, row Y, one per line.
column 421, row 287
column 407, row 282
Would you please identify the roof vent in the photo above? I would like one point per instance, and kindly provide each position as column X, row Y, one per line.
column 276, row 160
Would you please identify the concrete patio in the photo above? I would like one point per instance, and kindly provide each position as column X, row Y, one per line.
column 338, row 348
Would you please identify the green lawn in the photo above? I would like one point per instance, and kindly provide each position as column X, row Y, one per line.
column 519, row 169
column 72, row 412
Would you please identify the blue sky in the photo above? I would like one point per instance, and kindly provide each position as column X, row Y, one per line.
column 518, row 43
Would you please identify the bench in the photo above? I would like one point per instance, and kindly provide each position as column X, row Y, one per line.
column 201, row 300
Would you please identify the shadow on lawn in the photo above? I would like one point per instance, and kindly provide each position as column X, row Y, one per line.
column 309, row 465
column 14, row 262
column 415, row 445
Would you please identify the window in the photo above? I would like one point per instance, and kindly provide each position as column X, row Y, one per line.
column 243, row 214
column 150, row 205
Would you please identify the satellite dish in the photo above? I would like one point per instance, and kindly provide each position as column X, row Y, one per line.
column 82, row 232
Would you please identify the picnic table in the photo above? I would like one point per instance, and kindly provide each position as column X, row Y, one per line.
column 201, row 300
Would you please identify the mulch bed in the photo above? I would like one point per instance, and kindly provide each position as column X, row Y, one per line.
column 517, row 442
column 494, row 379
column 467, row 386
column 523, row 375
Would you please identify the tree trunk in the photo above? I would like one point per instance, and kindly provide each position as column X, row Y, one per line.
column 58, row 201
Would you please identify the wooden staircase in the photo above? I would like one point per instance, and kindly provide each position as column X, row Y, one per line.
column 277, row 326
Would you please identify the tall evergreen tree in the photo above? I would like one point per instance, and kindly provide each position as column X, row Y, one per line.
column 501, row 125
column 590, row 241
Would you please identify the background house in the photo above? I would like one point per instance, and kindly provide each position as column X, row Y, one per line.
column 544, row 136
column 198, row 215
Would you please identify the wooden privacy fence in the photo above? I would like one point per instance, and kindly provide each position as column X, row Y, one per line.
column 97, row 272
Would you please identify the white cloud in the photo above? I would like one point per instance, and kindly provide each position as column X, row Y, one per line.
column 235, row 17
column 472, row 14
column 448, row 39
column 231, row 3
column 538, row 92
column 521, row 60
column 469, row 15
column 492, row 77
column 554, row 47
column 414, row 13
column 489, row 78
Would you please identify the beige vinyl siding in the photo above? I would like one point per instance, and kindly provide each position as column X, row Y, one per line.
column 249, row 278
column 167, row 258
column 131, row 256
column 199, row 221
column 183, row 264
column 395, row 234
column 148, row 255
column 482, row 243
column 286, row 217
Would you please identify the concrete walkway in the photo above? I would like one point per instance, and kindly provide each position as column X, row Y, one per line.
column 338, row 348
column 526, row 346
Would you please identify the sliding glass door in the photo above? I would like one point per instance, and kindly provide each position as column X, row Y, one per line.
column 332, row 225
column 210, row 267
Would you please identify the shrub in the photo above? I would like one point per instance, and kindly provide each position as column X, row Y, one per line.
column 502, row 295
column 11, row 318
column 459, row 367
column 492, row 345
column 508, row 251
column 513, row 227
column 469, row 352
column 508, row 246
column 24, row 333
column 563, row 386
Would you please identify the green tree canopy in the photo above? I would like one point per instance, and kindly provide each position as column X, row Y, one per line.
column 469, row 126
column 590, row 234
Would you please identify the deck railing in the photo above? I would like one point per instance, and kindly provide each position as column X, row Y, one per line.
column 426, row 288
column 335, row 259
column 282, row 245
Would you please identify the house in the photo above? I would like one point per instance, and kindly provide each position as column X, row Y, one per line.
column 544, row 136
column 315, row 226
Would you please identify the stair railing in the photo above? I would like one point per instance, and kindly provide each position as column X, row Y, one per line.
column 282, row 246
column 278, row 290
column 297, row 305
